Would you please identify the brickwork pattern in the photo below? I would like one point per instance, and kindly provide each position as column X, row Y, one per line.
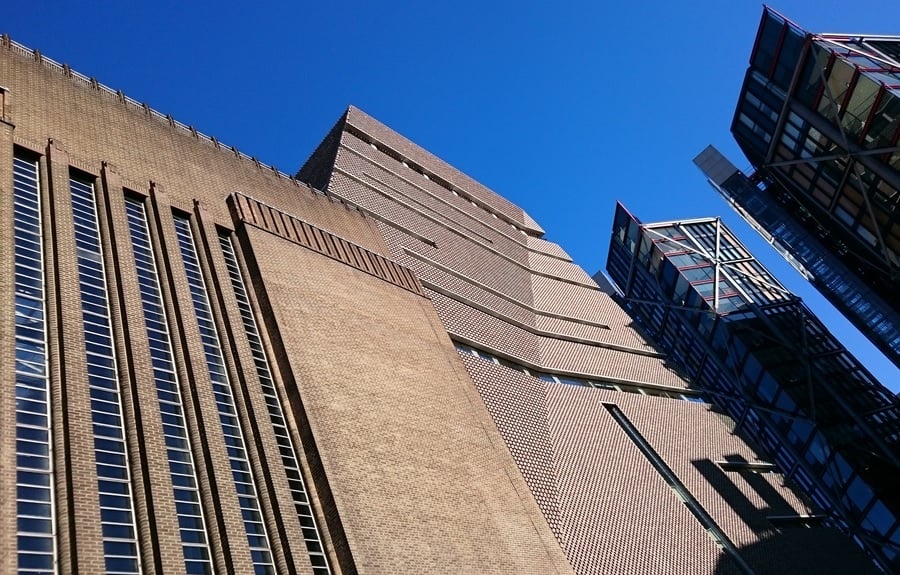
column 412, row 471
column 519, row 408
column 8, row 472
column 380, row 419
column 476, row 327
column 297, row 231
column 79, row 518
column 381, row 133
column 381, row 174
column 549, row 248
column 475, row 261
column 603, row 485
column 476, row 511
column 570, row 300
column 144, row 148
column 379, row 170
column 160, row 542
column 518, row 297
column 595, row 488
column 228, row 541
column 507, row 274
column 107, row 132
column 473, row 293
column 561, row 269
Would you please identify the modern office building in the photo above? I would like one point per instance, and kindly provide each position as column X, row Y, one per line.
column 379, row 366
column 819, row 119
column 762, row 358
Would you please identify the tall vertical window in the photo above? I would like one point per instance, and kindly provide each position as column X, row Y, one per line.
column 34, row 466
column 191, row 523
column 120, row 548
column 228, row 417
column 276, row 415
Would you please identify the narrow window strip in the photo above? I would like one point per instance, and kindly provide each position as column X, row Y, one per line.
column 120, row 553
column 231, row 428
column 287, row 449
column 194, row 544
column 35, row 513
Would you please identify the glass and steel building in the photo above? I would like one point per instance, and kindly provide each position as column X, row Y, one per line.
column 767, row 363
column 819, row 119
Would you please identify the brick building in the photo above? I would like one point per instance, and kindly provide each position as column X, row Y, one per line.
column 211, row 366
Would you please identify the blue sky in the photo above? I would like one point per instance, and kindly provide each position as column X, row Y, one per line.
column 564, row 107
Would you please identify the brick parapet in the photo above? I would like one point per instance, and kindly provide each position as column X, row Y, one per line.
column 110, row 129
column 107, row 93
column 295, row 230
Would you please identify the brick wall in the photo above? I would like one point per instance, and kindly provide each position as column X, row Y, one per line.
column 418, row 478
column 611, row 510
column 406, row 470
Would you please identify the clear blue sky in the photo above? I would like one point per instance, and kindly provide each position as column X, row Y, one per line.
column 562, row 107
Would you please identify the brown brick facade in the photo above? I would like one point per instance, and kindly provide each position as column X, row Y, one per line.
column 520, row 299
column 415, row 461
column 391, row 464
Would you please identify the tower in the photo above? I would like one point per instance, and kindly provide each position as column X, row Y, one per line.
column 819, row 119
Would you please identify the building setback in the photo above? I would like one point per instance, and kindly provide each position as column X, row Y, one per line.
column 819, row 119
column 761, row 356
column 386, row 369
